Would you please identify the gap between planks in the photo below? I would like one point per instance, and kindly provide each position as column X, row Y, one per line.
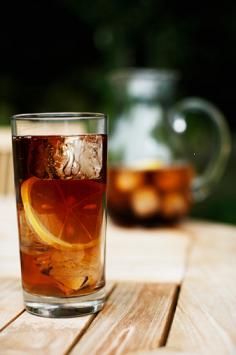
column 30, row 334
column 110, row 290
column 170, row 317
column 137, row 316
column 205, row 318
column 11, row 302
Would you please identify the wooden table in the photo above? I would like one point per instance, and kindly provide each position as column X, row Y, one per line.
column 170, row 291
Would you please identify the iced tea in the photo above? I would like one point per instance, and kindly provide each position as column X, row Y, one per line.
column 149, row 195
column 60, row 188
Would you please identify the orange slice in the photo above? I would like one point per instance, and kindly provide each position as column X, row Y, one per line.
column 63, row 213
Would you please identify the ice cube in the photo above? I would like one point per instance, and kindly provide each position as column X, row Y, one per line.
column 127, row 181
column 90, row 156
column 145, row 202
column 72, row 270
column 71, row 157
column 62, row 162
column 174, row 205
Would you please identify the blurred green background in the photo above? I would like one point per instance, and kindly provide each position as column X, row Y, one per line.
column 56, row 55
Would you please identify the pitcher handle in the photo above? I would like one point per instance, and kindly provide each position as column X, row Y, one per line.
column 203, row 183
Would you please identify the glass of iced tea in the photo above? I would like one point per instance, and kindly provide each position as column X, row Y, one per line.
column 60, row 180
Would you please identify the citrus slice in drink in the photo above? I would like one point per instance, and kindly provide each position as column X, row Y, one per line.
column 64, row 213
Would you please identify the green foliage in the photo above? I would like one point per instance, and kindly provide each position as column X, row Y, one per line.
column 76, row 44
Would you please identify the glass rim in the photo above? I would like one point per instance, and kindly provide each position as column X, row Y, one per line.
column 45, row 116
column 144, row 74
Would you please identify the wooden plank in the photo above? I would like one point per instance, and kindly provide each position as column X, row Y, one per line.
column 11, row 303
column 6, row 168
column 9, row 251
column 5, row 138
column 136, row 317
column 4, row 156
column 5, row 152
column 151, row 255
column 34, row 335
column 205, row 319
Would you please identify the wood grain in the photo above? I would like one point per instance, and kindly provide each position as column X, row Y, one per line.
column 5, row 139
column 135, row 317
column 11, row 303
column 205, row 319
column 34, row 335
column 9, row 250
column 6, row 168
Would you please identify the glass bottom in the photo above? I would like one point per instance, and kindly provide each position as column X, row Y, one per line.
column 55, row 307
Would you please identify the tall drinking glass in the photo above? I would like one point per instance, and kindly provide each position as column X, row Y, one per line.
column 60, row 179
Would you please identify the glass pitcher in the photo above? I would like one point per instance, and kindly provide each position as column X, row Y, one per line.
column 163, row 155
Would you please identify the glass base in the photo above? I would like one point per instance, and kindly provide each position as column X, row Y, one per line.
column 55, row 307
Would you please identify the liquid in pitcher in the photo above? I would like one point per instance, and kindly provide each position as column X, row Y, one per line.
column 149, row 195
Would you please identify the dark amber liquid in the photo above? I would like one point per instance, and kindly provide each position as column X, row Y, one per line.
column 149, row 196
column 69, row 208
